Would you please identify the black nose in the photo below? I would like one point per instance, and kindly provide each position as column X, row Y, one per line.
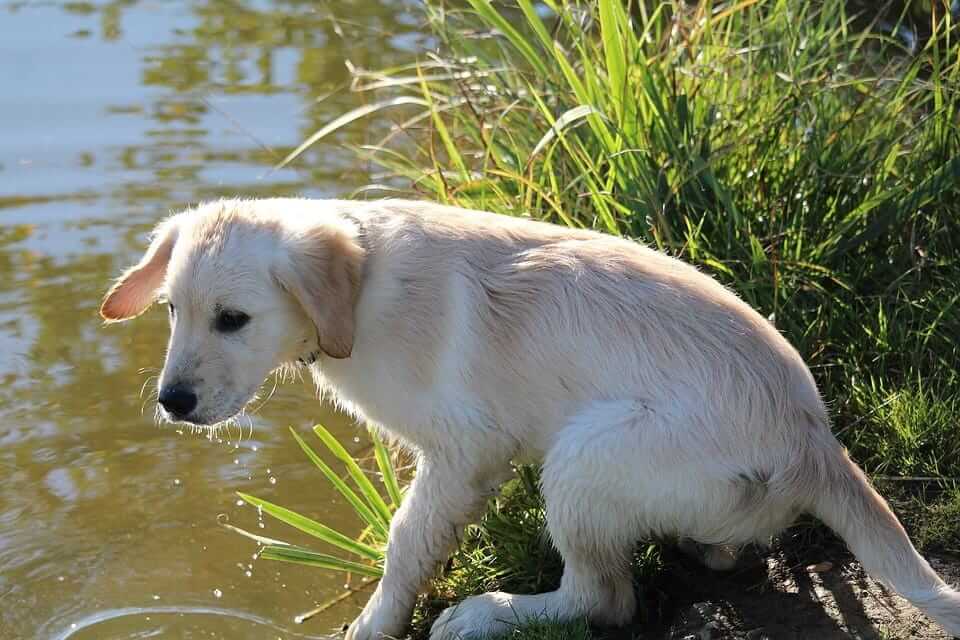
column 178, row 400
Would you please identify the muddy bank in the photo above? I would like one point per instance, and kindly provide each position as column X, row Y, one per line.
column 783, row 595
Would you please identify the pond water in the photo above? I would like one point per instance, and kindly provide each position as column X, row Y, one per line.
column 111, row 115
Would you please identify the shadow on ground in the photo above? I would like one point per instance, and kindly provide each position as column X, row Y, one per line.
column 778, row 594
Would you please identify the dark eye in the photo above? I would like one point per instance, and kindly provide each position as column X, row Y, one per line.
column 173, row 309
column 229, row 321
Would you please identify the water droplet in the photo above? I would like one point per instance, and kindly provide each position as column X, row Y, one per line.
column 356, row 438
column 253, row 448
column 217, row 593
column 248, row 573
column 298, row 619
column 261, row 525
column 239, row 502
column 273, row 480
column 236, row 461
column 73, row 625
column 268, row 470
column 156, row 597
column 61, row 578
column 176, row 481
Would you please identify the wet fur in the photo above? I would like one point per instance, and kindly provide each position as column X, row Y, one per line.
column 658, row 402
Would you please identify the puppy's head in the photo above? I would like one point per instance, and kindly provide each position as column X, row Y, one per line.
column 248, row 289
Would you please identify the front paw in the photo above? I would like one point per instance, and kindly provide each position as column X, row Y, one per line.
column 373, row 628
column 488, row 615
column 378, row 621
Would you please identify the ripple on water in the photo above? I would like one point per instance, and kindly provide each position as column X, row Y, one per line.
column 134, row 623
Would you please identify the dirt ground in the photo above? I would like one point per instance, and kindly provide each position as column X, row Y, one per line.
column 777, row 595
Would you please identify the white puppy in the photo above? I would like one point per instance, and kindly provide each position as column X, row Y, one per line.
column 657, row 401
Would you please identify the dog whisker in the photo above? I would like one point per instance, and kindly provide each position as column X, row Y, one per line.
column 276, row 383
column 289, row 372
column 240, row 419
column 146, row 382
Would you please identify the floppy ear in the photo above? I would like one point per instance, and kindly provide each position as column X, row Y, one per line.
column 323, row 271
column 137, row 288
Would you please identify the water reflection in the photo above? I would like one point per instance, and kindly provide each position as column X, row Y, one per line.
column 113, row 114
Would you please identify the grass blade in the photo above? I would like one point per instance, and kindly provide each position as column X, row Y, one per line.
column 379, row 524
column 386, row 469
column 566, row 119
column 346, row 119
column 615, row 55
column 491, row 15
column 261, row 540
column 453, row 153
column 300, row 555
column 366, row 487
column 313, row 528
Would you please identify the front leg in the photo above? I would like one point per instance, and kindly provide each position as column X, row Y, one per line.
column 444, row 496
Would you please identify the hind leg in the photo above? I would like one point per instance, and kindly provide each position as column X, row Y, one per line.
column 619, row 471
column 591, row 516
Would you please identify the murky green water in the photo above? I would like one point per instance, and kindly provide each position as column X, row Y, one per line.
column 111, row 115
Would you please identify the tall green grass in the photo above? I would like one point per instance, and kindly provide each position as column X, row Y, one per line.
column 365, row 553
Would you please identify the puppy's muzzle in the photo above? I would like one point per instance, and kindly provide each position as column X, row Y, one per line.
column 178, row 400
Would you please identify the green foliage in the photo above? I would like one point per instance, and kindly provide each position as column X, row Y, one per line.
column 908, row 431
column 366, row 501
column 936, row 528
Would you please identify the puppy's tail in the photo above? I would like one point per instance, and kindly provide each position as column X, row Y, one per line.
column 849, row 505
